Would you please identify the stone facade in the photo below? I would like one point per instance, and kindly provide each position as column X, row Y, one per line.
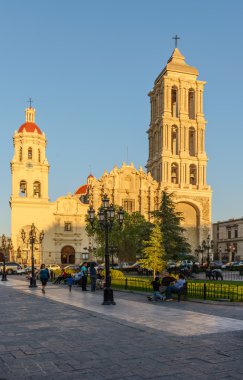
column 63, row 221
column 177, row 157
column 177, row 162
column 228, row 240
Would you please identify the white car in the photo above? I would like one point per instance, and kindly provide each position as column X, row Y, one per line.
column 21, row 270
column 53, row 267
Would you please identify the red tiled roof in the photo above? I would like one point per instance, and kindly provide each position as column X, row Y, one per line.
column 29, row 127
column 82, row 190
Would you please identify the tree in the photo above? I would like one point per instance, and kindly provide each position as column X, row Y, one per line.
column 174, row 240
column 128, row 240
column 154, row 254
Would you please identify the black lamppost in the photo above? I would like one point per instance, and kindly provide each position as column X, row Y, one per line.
column 207, row 245
column 9, row 246
column 106, row 216
column 32, row 239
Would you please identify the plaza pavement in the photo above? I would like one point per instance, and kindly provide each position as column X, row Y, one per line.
column 62, row 335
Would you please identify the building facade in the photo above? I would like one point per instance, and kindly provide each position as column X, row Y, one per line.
column 63, row 221
column 228, row 240
column 177, row 162
column 177, row 157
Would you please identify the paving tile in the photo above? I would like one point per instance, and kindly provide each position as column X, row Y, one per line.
column 78, row 338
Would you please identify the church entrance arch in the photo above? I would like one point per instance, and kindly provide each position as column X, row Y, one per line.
column 191, row 222
column 68, row 255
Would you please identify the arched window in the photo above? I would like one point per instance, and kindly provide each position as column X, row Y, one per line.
column 191, row 104
column 174, row 140
column 174, row 102
column 193, row 175
column 23, row 189
column 174, row 173
column 30, row 153
column 39, row 155
column 37, row 189
column 192, row 142
column 156, row 147
column 20, row 153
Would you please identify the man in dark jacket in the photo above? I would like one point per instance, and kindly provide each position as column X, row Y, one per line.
column 156, row 295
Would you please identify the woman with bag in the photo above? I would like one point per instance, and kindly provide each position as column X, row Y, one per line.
column 44, row 276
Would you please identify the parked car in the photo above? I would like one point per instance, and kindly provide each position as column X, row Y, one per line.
column 21, row 270
column 228, row 265
column 186, row 263
column 137, row 267
column 237, row 264
column 72, row 268
column 53, row 267
column 10, row 267
column 216, row 264
column 171, row 264
column 29, row 269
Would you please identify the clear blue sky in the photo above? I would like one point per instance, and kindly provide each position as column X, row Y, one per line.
column 88, row 65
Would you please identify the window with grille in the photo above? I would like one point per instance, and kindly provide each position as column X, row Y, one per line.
column 30, row 153
column 128, row 205
column 67, row 226
column 37, row 189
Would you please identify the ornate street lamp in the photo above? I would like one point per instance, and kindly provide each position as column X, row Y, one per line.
column 32, row 239
column 207, row 245
column 5, row 246
column 106, row 216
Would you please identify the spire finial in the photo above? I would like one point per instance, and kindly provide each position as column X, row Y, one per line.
column 30, row 101
column 176, row 38
column 30, row 114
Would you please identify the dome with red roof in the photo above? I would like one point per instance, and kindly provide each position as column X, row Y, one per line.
column 82, row 190
column 29, row 127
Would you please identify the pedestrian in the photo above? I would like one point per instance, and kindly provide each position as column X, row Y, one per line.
column 70, row 281
column 44, row 277
column 61, row 277
column 84, row 271
column 93, row 277
column 99, row 279
column 217, row 273
column 156, row 294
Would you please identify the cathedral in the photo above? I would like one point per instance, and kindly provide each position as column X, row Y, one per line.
column 177, row 162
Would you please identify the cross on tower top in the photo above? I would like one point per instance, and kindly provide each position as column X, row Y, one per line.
column 30, row 101
column 176, row 38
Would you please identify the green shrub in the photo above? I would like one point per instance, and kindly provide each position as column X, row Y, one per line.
column 114, row 274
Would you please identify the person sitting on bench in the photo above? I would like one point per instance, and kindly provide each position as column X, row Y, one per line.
column 175, row 288
column 156, row 294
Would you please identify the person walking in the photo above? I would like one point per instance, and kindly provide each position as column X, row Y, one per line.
column 70, row 282
column 44, row 277
column 84, row 271
column 93, row 277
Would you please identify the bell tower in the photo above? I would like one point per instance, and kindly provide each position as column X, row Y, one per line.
column 29, row 199
column 29, row 166
column 177, row 158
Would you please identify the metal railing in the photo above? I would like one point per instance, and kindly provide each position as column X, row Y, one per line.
column 198, row 290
